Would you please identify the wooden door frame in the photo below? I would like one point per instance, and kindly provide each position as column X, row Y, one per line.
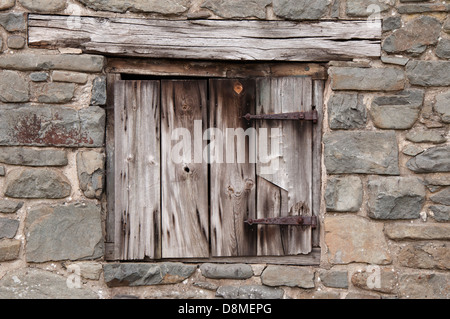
column 159, row 68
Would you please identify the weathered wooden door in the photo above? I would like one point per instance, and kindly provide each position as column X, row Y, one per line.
column 190, row 169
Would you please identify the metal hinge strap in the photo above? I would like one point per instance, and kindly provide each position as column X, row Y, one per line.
column 300, row 116
column 287, row 220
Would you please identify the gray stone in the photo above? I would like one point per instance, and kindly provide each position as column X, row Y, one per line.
column 335, row 8
column 395, row 197
column 16, row 42
column 428, row 73
column 51, row 126
column 37, row 183
column 9, row 206
column 35, row 283
column 2, row 171
column 237, row 8
column 54, row 92
column 39, row 76
column 399, row 111
column 346, row 111
column 91, row 173
column 367, row 79
column 440, row 213
column 13, row 88
column 402, row 231
column 385, row 283
column 434, row 159
column 33, row 157
column 13, row 21
column 89, row 269
column 424, row 286
column 64, row 232
column 446, row 26
column 361, row 153
column 443, row 49
column 9, row 250
column 38, row 62
column 226, row 271
column 163, row 7
column 365, row 8
column 344, row 194
column 71, row 77
column 442, row 197
column 394, row 60
column 427, row 136
column 422, row 8
column 301, row 9
column 412, row 150
column 425, row 255
column 442, row 106
column 334, row 278
column 8, row 227
column 392, row 23
column 146, row 274
column 249, row 292
column 99, row 91
column 44, row 5
column 414, row 37
column 6, row 4
column 290, row 276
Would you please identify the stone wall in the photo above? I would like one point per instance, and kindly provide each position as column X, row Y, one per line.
column 386, row 183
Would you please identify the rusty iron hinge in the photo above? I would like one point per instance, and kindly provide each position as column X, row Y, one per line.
column 287, row 220
column 300, row 116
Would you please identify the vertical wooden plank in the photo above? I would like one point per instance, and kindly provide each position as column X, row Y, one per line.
column 137, row 166
column 294, row 165
column 233, row 184
column 185, row 213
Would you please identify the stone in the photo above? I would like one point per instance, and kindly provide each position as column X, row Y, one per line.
column 33, row 157
column 64, row 232
column 249, row 292
column 367, row 79
column 9, row 250
column 394, row 60
column 8, row 227
column 433, row 160
column 376, row 278
column 13, row 88
column 346, row 111
column 301, row 9
column 440, row 213
column 13, row 22
column 399, row 111
column 392, row 23
column 91, row 173
column 351, row 238
column 6, row 4
column 44, row 5
column 442, row 197
column 226, row 271
column 365, row 8
column 37, row 183
column 442, row 106
column 43, row 62
column 71, row 77
column 414, row 37
column 422, row 8
column 146, row 274
column 427, row 136
column 290, row 276
column 35, row 283
column 163, row 7
column 89, row 270
column 417, row 231
column 361, row 153
column 51, row 126
column 344, row 194
column 425, row 255
column 395, row 197
column 39, row 76
column 99, row 91
column 54, row 92
column 16, row 42
column 334, row 278
column 446, row 26
column 424, row 286
column 428, row 73
column 360, row 295
column 412, row 150
column 2, row 171
column 443, row 49
column 9, row 206
column 237, row 9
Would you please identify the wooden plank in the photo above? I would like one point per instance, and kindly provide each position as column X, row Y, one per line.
column 137, row 169
column 290, row 170
column 232, row 180
column 185, row 211
column 209, row 39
